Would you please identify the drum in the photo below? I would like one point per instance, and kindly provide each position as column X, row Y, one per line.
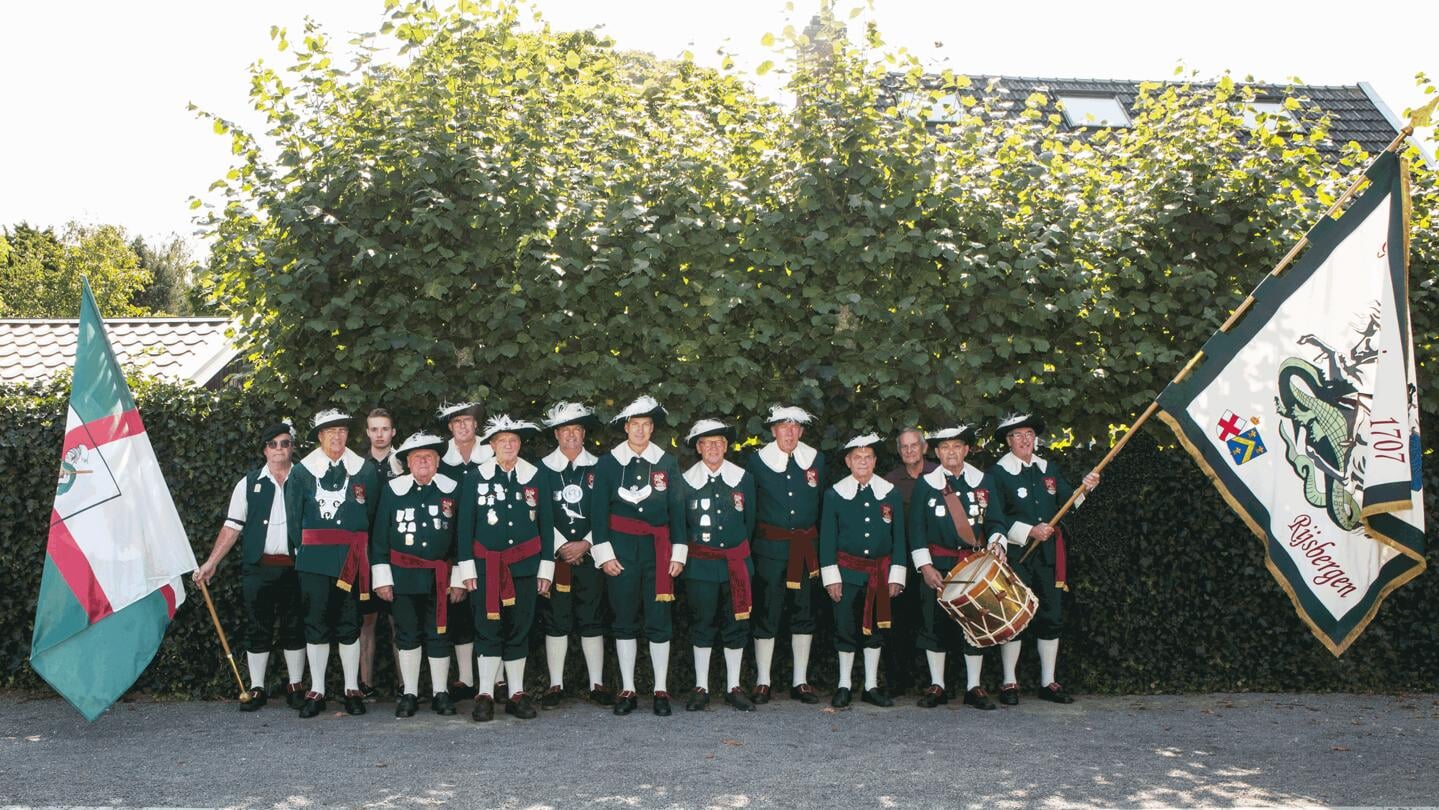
column 988, row 600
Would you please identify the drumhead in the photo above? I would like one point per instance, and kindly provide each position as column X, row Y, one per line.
column 969, row 573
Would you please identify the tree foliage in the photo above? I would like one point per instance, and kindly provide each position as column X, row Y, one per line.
column 40, row 271
column 173, row 271
column 522, row 215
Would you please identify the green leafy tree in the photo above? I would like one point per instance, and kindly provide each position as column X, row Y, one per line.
column 173, row 269
column 40, row 273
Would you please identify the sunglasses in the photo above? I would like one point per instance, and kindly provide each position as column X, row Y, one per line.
column 279, row 444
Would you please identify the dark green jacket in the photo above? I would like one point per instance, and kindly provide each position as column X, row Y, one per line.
column 652, row 495
column 259, row 498
column 419, row 521
column 719, row 514
column 569, row 517
column 789, row 490
column 867, row 522
column 335, row 495
column 1022, row 496
column 500, row 510
column 929, row 519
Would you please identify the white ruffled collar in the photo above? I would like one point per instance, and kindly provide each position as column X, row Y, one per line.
column 318, row 463
column 479, row 455
column 699, row 475
column 557, row 461
column 776, row 460
column 936, row 477
column 847, row 487
column 1012, row 465
column 624, row 455
column 404, row 483
column 524, row 471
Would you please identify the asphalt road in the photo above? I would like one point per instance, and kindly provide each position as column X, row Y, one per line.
column 1129, row 751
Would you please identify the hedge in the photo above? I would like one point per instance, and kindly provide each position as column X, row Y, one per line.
column 1170, row 592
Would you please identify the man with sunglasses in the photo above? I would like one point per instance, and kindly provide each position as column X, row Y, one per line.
column 264, row 517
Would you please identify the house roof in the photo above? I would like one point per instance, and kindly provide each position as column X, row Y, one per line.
column 196, row 349
column 1356, row 112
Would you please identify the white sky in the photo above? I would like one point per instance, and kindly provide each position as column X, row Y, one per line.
column 95, row 125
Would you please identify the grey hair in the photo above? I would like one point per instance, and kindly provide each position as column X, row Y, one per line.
column 898, row 437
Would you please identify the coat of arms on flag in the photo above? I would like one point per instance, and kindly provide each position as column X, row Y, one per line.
column 1322, row 355
column 1241, row 436
column 116, row 548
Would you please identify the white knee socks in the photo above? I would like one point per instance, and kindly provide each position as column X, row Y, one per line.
column 555, row 649
column 319, row 655
column 936, row 667
column 871, row 667
column 515, row 675
column 295, row 665
column 350, row 665
column 410, row 671
column 1048, row 652
column 465, row 664
column 440, row 674
column 763, row 655
column 799, row 647
column 972, row 665
column 702, row 667
column 626, row 649
column 489, row 665
column 732, row 659
column 1009, row 656
column 594, row 649
column 660, row 660
column 257, row 662
column 846, row 669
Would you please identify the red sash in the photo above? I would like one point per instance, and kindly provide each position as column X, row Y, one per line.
column 1061, row 564
column 499, row 585
column 739, row 585
column 442, row 582
column 563, row 576
column 803, row 557
column 664, row 586
column 876, row 592
column 357, row 560
column 277, row 560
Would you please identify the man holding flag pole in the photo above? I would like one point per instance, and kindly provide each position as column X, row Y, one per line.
column 117, row 549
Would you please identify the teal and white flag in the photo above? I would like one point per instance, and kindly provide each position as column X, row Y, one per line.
column 116, row 550
column 1305, row 415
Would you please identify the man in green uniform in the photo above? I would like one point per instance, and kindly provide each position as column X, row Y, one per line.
column 503, row 561
column 719, row 499
column 412, row 551
column 946, row 524
column 789, row 481
column 578, row 593
column 861, row 556
column 1025, row 492
column 264, row 515
column 340, row 494
column 380, row 431
column 639, row 533
column 463, row 454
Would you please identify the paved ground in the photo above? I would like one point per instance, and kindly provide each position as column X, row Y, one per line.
column 1133, row 751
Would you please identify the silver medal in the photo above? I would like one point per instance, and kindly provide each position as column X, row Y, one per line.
column 491, row 517
column 939, row 511
column 409, row 539
column 573, row 493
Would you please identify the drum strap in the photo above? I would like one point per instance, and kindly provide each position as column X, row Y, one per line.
column 960, row 516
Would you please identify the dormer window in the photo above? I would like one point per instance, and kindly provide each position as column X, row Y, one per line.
column 944, row 109
column 1093, row 111
column 1273, row 113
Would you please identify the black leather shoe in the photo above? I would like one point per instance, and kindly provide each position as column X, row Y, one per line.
column 699, row 699
column 841, row 698
column 877, row 697
column 519, row 705
column 406, row 705
column 1054, row 693
column 600, row 695
column 256, row 701
column 354, row 702
column 804, row 693
column 626, row 703
column 461, row 691
column 552, row 697
column 314, row 704
column 442, row 703
column 737, row 698
column 932, row 696
column 760, row 694
column 368, row 692
column 979, row 699
column 662, row 704
column 295, row 696
column 484, row 710
column 1009, row 694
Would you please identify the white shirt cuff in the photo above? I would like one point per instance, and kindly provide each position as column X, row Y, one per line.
column 603, row 553
column 996, row 538
column 237, row 525
column 1019, row 533
column 547, row 570
column 465, row 570
column 921, row 558
column 680, row 553
column 829, row 575
column 381, row 576
column 896, row 574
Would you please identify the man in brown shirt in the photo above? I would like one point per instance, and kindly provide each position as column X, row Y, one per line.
column 899, row 652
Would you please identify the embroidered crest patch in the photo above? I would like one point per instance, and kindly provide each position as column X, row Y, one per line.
column 359, row 490
column 887, row 512
column 660, row 481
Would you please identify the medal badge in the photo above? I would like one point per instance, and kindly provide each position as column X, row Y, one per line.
column 738, row 501
column 491, row 517
column 1050, row 484
column 811, row 476
column 359, row 490
column 532, row 497
column 572, row 493
column 590, row 480
column 447, row 507
column 660, row 481
column 887, row 512
column 1022, row 492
